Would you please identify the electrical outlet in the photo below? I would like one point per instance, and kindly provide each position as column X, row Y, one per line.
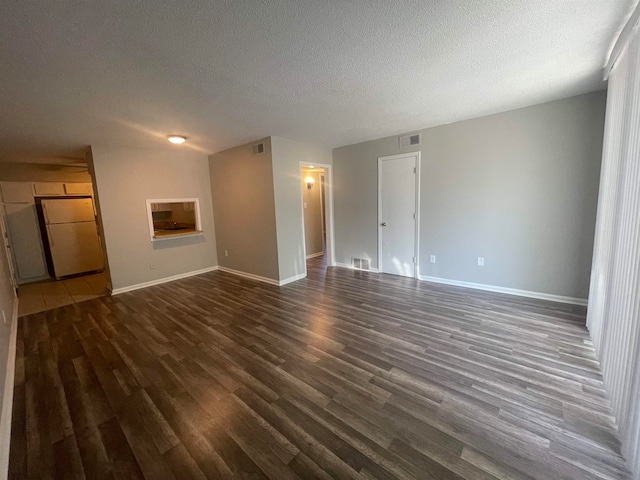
column 152, row 266
column 432, row 259
column 226, row 253
column 481, row 261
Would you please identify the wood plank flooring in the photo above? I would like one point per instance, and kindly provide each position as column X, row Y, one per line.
column 344, row 374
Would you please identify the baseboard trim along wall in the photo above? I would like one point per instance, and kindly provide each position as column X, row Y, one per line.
column 347, row 265
column 117, row 291
column 7, row 397
column 508, row 291
column 313, row 255
column 295, row 278
column 258, row 278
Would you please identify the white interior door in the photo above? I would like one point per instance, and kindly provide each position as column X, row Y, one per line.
column 397, row 214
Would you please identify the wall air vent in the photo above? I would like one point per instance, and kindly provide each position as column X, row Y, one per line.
column 258, row 149
column 409, row 140
column 360, row 263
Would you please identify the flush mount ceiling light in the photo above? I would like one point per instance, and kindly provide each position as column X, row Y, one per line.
column 177, row 139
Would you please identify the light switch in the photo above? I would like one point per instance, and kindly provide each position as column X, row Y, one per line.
column 481, row 261
column 305, row 204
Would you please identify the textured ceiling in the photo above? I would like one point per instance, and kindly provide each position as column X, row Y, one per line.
column 124, row 72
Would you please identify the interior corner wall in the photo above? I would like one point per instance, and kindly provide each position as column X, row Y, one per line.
column 124, row 179
column 242, row 190
column 519, row 188
column 8, row 329
column 96, row 199
column 287, row 155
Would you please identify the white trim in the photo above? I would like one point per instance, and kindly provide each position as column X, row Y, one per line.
column 117, row 291
column 622, row 41
column 508, row 291
column 416, row 240
column 258, row 278
column 7, row 395
column 295, row 278
column 346, row 265
column 178, row 235
column 250, row 276
column 313, row 255
column 196, row 207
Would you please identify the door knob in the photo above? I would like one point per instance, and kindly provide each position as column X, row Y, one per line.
column 383, row 224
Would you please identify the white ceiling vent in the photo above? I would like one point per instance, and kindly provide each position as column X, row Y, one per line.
column 409, row 140
column 258, row 149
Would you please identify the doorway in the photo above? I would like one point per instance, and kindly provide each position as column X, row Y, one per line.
column 313, row 211
column 398, row 214
column 317, row 211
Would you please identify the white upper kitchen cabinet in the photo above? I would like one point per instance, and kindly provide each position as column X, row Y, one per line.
column 78, row 189
column 48, row 188
column 16, row 192
column 26, row 243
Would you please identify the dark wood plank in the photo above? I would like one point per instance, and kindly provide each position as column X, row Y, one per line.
column 344, row 374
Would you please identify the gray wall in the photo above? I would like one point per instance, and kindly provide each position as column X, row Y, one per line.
column 124, row 179
column 287, row 155
column 518, row 188
column 312, row 214
column 244, row 210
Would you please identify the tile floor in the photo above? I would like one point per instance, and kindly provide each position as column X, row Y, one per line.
column 41, row 296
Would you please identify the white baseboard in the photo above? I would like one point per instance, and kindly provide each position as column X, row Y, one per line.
column 250, row 276
column 313, row 255
column 258, row 278
column 138, row 286
column 508, row 291
column 292, row 279
column 348, row 265
column 7, row 395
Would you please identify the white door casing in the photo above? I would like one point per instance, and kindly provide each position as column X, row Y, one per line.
column 398, row 215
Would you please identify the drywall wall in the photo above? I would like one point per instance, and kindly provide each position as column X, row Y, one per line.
column 30, row 172
column 244, row 210
column 124, row 179
column 8, row 305
column 287, row 155
column 312, row 198
column 518, row 188
column 96, row 200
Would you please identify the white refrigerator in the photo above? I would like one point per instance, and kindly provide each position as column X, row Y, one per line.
column 73, row 235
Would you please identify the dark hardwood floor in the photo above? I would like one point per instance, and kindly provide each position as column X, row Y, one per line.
column 344, row 374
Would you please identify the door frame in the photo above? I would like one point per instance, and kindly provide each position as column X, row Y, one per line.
column 416, row 246
column 328, row 211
